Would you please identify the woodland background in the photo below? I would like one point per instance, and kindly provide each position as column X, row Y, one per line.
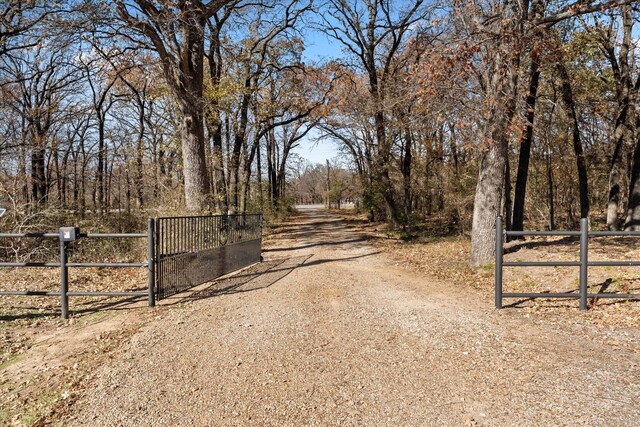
column 445, row 111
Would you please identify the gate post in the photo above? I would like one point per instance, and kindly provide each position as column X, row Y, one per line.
column 499, row 253
column 64, row 280
column 584, row 261
column 151, row 261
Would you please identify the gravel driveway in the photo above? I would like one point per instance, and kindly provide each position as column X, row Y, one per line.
column 328, row 332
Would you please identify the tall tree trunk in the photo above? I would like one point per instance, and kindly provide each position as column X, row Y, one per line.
column 508, row 203
column 100, row 171
column 632, row 222
column 501, row 85
column 406, row 173
column 180, row 47
column 550, row 195
column 275, row 190
column 156, row 170
column 127, row 194
column 271, row 167
column 108, row 185
column 65, row 176
column 328, row 185
column 238, row 143
column 22, row 179
column 139, row 176
column 196, row 182
column 488, row 198
column 38, row 175
column 281, row 175
column 454, row 152
column 259, row 172
column 525, row 147
column 567, row 98
column 246, row 186
column 384, row 159
column 83, row 187
column 227, row 146
column 614, row 185
column 622, row 73
column 59, row 181
column 214, row 115
column 75, row 193
column 427, row 179
column 219, row 181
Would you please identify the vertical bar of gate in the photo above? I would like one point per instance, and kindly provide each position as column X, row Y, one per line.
column 151, row 261
column 217, row 226
column 499, row 254
column 584, row 261
column 157, row 255
column 177, row 233
column 64, row 279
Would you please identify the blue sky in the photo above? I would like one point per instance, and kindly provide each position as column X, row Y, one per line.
column 319, row 47
column 316, row 152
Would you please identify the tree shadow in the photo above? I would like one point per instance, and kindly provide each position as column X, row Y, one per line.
column 539, row 244
column 312, row 245
column 90, row 307
column 617, row 242
column 259, row 276
column 558, row 302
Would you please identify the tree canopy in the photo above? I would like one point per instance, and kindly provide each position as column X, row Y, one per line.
column 448, row 111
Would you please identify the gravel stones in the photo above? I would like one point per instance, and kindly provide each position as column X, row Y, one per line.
column 332, row 334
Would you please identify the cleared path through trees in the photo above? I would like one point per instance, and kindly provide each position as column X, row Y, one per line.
column 331, row 333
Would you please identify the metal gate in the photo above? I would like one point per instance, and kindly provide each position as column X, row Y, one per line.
column 197, row 249
column 583, row 264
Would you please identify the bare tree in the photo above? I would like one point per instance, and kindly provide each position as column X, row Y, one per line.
column 43, row 80
column 17, row 20
column 373, row 33
column 621, row 61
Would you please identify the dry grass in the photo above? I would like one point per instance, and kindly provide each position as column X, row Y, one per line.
column 25, row 320
column 29, row 324
column 446, row 259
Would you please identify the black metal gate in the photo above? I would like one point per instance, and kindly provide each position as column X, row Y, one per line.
column 197, row 249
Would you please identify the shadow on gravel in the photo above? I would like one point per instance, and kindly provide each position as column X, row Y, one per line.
column 93, row 306
column 312, row 245
column 259, row 276
column 324, row 261
column 600, row 288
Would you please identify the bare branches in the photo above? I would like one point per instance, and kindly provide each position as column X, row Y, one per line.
column 579, row 7
column 18, row 18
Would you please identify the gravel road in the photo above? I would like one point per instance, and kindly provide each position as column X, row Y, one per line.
column 329, row 332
